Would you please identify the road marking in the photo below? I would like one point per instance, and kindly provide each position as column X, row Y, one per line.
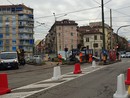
column 31, row 89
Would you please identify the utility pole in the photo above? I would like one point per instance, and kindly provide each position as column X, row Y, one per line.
column 111, row 47
column 103, row 31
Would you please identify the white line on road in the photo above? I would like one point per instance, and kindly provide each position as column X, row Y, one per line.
column 41, row 86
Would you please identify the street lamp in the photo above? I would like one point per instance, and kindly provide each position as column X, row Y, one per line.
column 118, row 30
column 58, row 16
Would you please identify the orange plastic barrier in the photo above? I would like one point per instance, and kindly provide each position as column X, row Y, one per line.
column 77, row 69
column 4, row 84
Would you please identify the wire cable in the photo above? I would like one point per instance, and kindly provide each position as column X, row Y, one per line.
column 10, row 2
column 69, row 12
column 107, row 2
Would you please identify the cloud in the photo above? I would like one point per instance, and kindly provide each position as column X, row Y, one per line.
column 44, row 8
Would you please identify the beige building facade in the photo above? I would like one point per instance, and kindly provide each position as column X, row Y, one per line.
column 108, row 31
column 93, row 40
column 63, row 34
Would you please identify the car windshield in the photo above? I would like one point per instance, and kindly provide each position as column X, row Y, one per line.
column 8, row 55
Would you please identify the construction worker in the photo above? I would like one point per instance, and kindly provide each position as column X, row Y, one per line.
column 90, row 58
column 60, row 58
column 80, row 57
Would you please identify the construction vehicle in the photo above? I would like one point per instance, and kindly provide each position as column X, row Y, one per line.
column 21, row 56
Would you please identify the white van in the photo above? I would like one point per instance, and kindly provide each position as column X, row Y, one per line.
column 9, row 60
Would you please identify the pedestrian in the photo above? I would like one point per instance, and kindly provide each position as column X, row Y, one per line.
column 60, row 59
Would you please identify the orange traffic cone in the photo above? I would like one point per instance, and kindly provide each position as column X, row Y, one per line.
column 77, row 69
column 127, row 81
column 4, row 84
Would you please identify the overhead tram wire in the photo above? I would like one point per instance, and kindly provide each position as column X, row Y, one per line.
column 123, row 8
column 104, row 3
column 119, row 12
column 10, row 2
column 69, row 12
column 100, row 18
column 96, row 2
column 107, row 2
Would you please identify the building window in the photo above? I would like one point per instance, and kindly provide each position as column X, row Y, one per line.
column 1, row 48
column 59, row 28
column 1, row 18
column 7, row 48
column 60, row 47
column 87, row 39
column 95, row 37
column 71, row 46
column 7, row 18
column 13, row 36
column 14, row 30
column 1, row 24
column 95, row 45
column 71, row 34
column 13, row 17
column 1, row 43
column 14, row 48
column 1, row 35
column 87, row 47
column 101, row 37
column 59, row 34
column 14, row 42
column 7, row 29
column 7, row 36
column 7, row 42
column 0, row 30
column 8, row 9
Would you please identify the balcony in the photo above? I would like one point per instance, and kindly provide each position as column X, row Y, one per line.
column 25, row 44
column 25, row 19
column 26, row 25
column 26, row 31
column 25, row 37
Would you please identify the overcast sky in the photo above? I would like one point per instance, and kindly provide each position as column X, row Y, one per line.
column 82, row 11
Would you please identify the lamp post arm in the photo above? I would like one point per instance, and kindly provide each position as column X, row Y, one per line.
column 119, row 29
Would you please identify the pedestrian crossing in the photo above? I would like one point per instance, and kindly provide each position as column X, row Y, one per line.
column 37, row 88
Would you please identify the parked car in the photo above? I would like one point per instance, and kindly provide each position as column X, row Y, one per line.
column 123, row 55
column 127, row 55
column 9, row 60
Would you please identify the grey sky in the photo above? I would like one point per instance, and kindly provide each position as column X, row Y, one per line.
column 44, row 9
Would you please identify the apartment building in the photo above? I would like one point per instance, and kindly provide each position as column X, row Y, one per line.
column 16, row 28
column 93, row 40
column 91, row 37
column 107, row 30
column 63, row 34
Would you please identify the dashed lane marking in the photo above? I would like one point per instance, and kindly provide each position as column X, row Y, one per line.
column 44, row 85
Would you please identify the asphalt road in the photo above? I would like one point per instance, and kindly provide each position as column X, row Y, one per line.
column 99, row 84
column 29, row 74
